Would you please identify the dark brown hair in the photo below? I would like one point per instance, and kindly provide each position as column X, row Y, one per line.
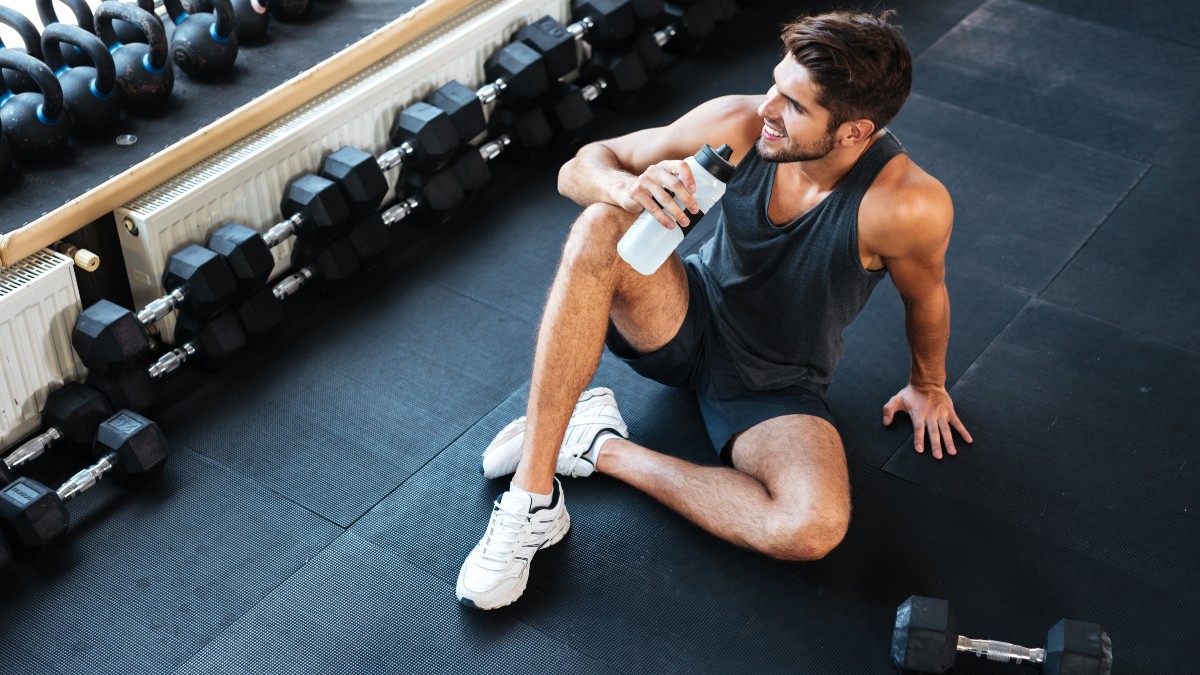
column 859, row 62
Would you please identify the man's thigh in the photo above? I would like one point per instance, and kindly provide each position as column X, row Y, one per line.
column 801, row 461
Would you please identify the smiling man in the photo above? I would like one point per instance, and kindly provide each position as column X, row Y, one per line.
column 824, row 203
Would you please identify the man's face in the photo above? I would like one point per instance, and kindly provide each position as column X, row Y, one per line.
column 795, row 128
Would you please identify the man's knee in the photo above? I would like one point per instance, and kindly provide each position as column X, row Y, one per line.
column 808, row 538
column 592, row 242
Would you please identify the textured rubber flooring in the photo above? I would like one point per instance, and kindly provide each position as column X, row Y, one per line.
column 1069, row 78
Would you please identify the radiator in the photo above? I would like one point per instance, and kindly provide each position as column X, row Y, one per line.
column 39, row 301
column 245, row 182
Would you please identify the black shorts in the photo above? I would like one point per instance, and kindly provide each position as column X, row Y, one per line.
column 696, row 360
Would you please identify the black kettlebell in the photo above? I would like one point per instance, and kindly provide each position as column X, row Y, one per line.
column 16, row 81
column 83, row 19
column 144, row 71
column 90, row 93
column 204, row 45
column 252, row 17
column 35, row 123
column 5, row 156
column 291, row 9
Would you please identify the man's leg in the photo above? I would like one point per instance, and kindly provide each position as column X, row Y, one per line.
column 591, row 285
column 788, row 497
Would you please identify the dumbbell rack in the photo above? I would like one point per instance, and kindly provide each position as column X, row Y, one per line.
column 39, row 302
column 245, row 181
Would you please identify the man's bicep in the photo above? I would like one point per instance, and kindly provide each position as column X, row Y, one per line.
column 728, row 119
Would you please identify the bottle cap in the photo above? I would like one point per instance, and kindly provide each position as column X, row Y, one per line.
column 716, row 162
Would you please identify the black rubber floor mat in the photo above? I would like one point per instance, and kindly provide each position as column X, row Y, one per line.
column 1024, row 202
column 1082, row 436
column 1175, row 20
column 1180, row 148
column 360, row 400
column 876, row 363
column 1105, row 87
column 358, row 609
column 1137, row 270
column 149, row 577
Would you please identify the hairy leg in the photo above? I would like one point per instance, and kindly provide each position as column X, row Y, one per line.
column 592, row 284
column 788, row 497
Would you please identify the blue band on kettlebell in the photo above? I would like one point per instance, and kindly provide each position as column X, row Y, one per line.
column 61, row 70
column 150, row 66
column 78, row 50
column 5, row 96
column 112, row 49
column 97, row 93
column 212, row 30
column 181, row 18
column 43, row 119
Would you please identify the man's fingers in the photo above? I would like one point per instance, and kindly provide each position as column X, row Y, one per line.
column 935, row 438
column 889, row 410
column 947, row 437
column 919, row 435
column 962, row 431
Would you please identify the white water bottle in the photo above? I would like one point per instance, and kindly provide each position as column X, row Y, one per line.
column 648, row 243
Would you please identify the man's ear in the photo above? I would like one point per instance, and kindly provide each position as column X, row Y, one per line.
column 855, row 132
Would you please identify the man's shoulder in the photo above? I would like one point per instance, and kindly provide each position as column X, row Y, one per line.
column 905, row 204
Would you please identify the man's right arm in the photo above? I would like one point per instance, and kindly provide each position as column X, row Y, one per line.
column 634, row 171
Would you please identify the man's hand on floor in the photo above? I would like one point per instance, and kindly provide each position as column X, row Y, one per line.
column 932, row 414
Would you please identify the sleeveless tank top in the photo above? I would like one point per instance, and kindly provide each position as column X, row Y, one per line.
column 780, row 296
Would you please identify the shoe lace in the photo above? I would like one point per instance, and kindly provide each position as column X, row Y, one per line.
column 503, row 534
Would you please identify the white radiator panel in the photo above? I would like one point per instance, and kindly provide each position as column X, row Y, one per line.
column 245, row 182
column 39, row 301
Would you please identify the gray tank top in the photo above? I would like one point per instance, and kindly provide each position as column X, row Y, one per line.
column 780, row 296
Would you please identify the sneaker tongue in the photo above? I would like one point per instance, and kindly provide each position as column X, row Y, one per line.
column 516, row 501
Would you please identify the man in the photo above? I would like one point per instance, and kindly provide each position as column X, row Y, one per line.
column 824, row 203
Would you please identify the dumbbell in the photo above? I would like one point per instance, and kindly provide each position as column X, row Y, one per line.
column 16, row 81
column 210, row 344
column 33, row 516
column 90, row 92
column 926, row 640
column 290, row 10
column 109, row 338
column 568, row 109
column 263, row 312
column 144, row 71
column 70, row 417
column 424, row 137
column 602, row 22
column 682, row 29
column 471, row 166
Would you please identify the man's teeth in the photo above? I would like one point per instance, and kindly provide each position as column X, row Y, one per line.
column 768, row 131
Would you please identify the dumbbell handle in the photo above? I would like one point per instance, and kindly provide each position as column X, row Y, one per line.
column 172, row 360
column 283, row 230
column 293, row 282
column 492, row 148
column 32, row 448
column 592, row 91
column 1004, row 652
column 161, row 307
column 581, row 27
column 662, row 37
column 87, row 479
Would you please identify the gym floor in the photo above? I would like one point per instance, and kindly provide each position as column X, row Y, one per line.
column 323, row 491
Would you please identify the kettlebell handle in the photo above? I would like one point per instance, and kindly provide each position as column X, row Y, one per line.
column 52, row 96
column 146, row 22
column 102, row 60
column 222, row 8
column 25, row 28
column 83, row 13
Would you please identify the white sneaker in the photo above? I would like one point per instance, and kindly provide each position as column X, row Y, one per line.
column 497, row 569
column 595, row 413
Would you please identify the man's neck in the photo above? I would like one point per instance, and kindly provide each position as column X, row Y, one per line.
column 824, row 174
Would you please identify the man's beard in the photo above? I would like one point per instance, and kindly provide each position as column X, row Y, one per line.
column 804, row 153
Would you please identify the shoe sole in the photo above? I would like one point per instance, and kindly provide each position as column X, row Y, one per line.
column 520, row 589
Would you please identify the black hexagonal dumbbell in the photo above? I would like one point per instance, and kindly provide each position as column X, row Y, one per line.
column 602, row 22
column 926, row 640
column 425, row 138
column 33, row 516
column 526, row 127
column 471, row 166
column 110, row 339
column 568, row 109
column 70, row 418
column 210, row 344
column 518, row 74
column 683, row 27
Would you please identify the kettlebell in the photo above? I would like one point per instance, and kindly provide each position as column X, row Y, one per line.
column 83, row 18
column 16, row 81
column 204, row 45
column 90, row 93
column 291, row 9
column 35, row 123
column 5, row 155
column 144, row 71
column 252, row 17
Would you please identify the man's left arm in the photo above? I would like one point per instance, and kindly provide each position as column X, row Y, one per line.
column 913, row 247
